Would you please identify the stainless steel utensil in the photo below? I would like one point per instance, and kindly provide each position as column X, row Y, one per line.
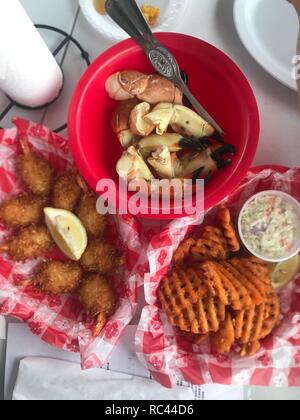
column 128, row 16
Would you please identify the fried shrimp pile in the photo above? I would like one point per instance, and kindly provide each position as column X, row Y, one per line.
column 31, row 238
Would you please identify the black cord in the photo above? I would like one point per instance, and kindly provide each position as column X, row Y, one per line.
column 84, row 54
column 68, row 38
column 6, row 110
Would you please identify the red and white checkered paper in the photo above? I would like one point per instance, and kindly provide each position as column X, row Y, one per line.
column 61, row 321
column 170, row 357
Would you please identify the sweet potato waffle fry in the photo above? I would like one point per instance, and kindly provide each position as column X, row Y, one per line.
column 230, row 301
column 216, row 242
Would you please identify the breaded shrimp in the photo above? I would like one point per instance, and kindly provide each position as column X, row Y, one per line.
column 22, row 211
column 98, row 299
column 30, row 243
column 66, row 191
column 100, row 257
column 56, row 277
column 35, row 171
column 94, row 222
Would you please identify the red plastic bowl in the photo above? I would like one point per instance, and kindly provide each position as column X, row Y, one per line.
column 215, row 80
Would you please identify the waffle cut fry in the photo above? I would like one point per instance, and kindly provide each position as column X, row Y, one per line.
column 188, row 303
column 215, row 244
column 232, row 302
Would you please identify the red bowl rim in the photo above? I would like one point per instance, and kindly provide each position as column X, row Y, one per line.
column 241, row 167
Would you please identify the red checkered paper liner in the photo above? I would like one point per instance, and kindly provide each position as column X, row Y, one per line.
column 60, row 320
column 169, row 357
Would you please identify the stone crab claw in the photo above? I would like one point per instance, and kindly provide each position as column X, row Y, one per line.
column 206, row 162
column 173, row 142
column 132, row 166
column 183, row 121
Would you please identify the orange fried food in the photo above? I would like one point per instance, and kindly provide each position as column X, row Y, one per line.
column 188, row 304
column 66, row 191
column 238, row 296
column 35, row 171
column 224, row 218
column 94, row 222
column 231, row 301
column 30, row 243
column 98, row 299
column 250, row 349
column 212, row 246
column 223, row 340
column 101, row 257
column 56, row 277
column 183, row 251
column 215, row 244
column 197, row 339
column 22, row 211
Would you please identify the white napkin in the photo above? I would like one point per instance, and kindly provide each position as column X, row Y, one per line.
column 49, row 379
column 29, row 73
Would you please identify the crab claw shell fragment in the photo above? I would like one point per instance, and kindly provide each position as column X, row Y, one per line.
column 161, row 117
column 183, row 120
column 132, row 166
column 174, row 142
column 151, row 143
column 209, row 161
column 147, row 88
column 162, row 161
column 127, row 139
column 138, row 125
column 121, row 122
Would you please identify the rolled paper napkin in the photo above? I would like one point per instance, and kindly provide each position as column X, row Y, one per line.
column 49, row 379
column 29, row 74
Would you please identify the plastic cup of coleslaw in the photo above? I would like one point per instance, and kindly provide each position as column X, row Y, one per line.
column 269, row 226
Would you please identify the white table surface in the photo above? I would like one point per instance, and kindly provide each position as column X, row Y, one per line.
column 211, row 20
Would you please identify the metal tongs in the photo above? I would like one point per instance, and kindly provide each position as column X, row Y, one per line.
column 128, row 16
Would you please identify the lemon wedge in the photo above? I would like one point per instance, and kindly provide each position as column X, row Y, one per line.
column 67, row 231
column 284, row 272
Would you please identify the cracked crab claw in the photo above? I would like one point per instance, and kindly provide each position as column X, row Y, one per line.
column 187, row 122
column 206, row 162
column 139, row 126
column 162, row 161
column 183, row 121
column 174, row 142
column 132, row 166
column 161, row 117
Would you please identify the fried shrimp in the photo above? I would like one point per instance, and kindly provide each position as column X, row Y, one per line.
column 66, row 191
column 35, row 171
column 56, row 277
column 22, row 211
column 94, row 222
column 100, row 257
column 30, row 243
column 98, row 299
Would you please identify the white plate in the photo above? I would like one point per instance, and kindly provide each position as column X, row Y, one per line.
column 172, row 11
column 269, row 30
